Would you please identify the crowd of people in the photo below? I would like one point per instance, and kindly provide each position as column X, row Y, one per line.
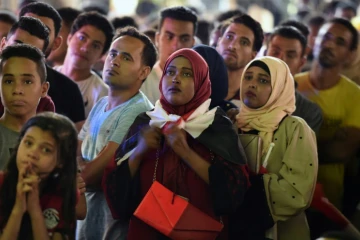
column 111, row 132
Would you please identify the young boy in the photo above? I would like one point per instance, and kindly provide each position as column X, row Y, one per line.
column 23, row 84
column 89, row 38
column 31, row 31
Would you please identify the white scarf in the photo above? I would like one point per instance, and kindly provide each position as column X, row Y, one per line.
column 196, row 123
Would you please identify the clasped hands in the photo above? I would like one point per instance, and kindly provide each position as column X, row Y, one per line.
column 27, row 191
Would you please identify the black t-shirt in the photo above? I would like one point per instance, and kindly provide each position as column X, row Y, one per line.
column 66, row 95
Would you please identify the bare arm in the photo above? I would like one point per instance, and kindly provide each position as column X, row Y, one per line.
column 341, row 148
column 38, row 225
column 92, row 171
column 12, row 228
column 13, row 225
column 81, row 208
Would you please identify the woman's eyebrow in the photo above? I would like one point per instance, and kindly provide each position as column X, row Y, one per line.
column 190, row 69
column 264, row 75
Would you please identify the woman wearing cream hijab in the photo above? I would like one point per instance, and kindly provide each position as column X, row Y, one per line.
column 274, row 205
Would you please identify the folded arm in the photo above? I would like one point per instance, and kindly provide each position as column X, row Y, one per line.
column 290, row 190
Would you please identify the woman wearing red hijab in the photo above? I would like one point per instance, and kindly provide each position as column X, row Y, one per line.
column 195, row 151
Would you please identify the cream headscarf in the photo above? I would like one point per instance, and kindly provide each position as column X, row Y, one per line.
column 280, row 103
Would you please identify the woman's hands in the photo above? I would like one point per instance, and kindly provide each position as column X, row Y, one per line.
column 232, row 113
column 149, row 139
column 176, row 139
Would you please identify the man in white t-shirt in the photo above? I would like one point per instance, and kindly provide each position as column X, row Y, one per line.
column 89, row 38
column 177, row 29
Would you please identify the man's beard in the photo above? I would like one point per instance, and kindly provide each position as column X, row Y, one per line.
column 326, row 59
column 233, row 66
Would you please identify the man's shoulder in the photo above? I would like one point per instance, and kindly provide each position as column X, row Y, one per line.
column 141, row 101
column 349, row 84
column 58, row 78
column 100, row 104
column 136, row 105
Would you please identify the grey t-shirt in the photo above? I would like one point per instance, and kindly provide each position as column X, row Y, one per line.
column 8, row 139
column 100, row 128
column 308, row 111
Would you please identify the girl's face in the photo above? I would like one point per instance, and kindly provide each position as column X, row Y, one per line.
column 37, row 148
column 256, row 87
column 178, row 82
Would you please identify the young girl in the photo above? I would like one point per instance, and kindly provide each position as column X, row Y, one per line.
column 38, row 188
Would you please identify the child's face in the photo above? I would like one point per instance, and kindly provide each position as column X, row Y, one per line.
column 21, row 87
column 39, row 149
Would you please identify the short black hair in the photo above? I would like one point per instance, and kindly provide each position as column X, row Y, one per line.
column 338, row 235
column 351, row 28
column 68, row 15
column 298, row 25
column 33, row 26
column 43, row 10
column 203, row 32
column 121, row 22
column 25, row 51
column 317, row 20
column 97, row 20
column 149, row 53
column 229, row 14
column 179, row 13
column 7, row 17
column 252, row 24
column 292, row 33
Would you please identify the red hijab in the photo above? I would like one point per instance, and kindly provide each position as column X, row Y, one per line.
column 202, row 83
